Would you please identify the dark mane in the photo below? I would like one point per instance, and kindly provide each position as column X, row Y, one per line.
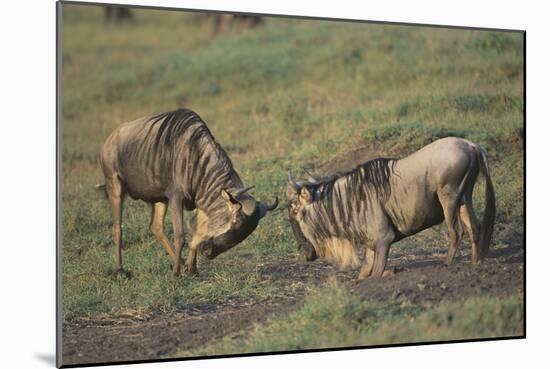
column 338, row 198
column 212, row 166
column 173, row 124
column 374, row 173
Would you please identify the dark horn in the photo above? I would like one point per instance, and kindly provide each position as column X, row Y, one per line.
column 274, row 205
column 294, row 184
column 264, row 208
column 241, row 191
column 312, row 178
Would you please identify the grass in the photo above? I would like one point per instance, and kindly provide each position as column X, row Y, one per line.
column 333, row 317
column 285, row 94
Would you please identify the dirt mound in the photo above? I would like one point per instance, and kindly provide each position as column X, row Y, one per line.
column 350, row 159
column 434, row 282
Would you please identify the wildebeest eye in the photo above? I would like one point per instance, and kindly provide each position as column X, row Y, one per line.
column 237, row 221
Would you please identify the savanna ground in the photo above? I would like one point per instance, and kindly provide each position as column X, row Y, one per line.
column 287, row 94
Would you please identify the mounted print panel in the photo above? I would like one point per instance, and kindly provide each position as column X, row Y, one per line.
column 241, row 184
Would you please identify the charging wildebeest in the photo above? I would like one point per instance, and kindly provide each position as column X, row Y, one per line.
column 385, row 200
column 171, row 160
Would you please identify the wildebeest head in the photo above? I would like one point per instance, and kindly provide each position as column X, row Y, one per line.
column 238, row 221
column 299, row 196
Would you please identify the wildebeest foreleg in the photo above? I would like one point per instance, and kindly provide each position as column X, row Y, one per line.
column 381, row 251
column 198, row 238
column 158, row 214
column 176, row 206
column 368, row 263
column 191, row 263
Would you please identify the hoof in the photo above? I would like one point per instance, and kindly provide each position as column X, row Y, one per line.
column 116, row 273
column 171, row 265
column 175, row 275
column 477, row 261
column 190, row 271
column 363, row 275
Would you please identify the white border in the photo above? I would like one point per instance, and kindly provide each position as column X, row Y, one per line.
column 28, row 181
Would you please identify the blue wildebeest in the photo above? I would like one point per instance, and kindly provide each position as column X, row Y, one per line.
column 118, row 13
column 172, row 161
column 385, row 200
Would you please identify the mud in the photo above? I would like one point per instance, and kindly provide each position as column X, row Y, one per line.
column 422, row 279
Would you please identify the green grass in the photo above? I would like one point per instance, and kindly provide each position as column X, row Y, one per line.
column 285, row 94
column 333, row 317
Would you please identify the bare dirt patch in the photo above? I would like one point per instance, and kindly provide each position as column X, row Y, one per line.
column 428, row 281
column 153, row 335
column 145, row 335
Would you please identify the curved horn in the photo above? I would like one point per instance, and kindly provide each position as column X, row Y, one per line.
column 312, row 178
column 264, row 208
column 241, row 191
column 294, row 184
column 272, row 206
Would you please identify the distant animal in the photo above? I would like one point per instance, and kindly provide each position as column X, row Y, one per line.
column 118, row 13
column 387, row 199
column 227, row 22
column 248, row 20
column 172, row 161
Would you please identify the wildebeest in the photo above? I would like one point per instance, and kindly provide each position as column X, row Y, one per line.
column 172, row 161
column 385, row 200
column 117, row 13
column 222, row 23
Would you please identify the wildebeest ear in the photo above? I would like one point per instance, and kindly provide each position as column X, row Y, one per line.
column 229, row 198
column 291, row 192
column 305, row 194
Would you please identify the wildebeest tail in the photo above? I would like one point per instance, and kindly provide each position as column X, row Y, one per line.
column 488, row 222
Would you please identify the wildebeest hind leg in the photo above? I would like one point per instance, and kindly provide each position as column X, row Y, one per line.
column 116, row 194
column 450, row 210
column 471, row 224
column 158, row 214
